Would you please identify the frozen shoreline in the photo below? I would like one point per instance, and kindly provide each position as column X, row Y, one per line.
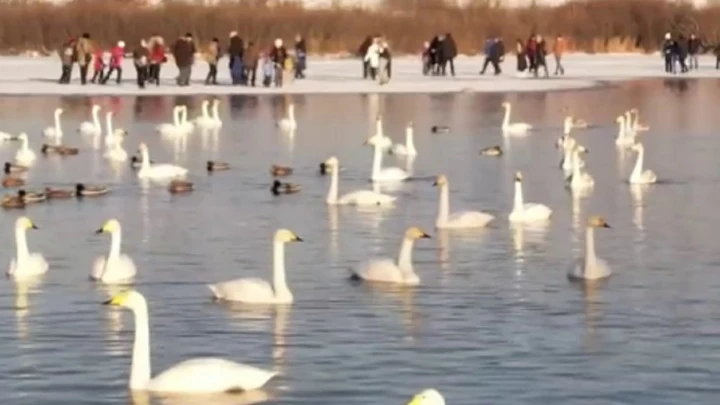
column 38, row 76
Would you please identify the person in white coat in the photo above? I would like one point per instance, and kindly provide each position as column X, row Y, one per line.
column 372, row 57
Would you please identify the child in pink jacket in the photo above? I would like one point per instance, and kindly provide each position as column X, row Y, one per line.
column 117, row 54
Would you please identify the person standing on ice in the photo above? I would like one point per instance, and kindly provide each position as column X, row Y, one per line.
column 682, row 52
column 117, row 54
column 362, row 51
column 450, row 53
column 184, row 53
column 668, row 51
column 694, row 46
column 66, row 60
column 236, row 50
column 157, row 58
column 520, row 54
column 212, row 56
column 559, row 47
column 372, row 57
column 83, row 55
column 250, row 62
column 141, row 54
column 300, row 56
column 278, row 54
column 540, row 55
column 384, row 60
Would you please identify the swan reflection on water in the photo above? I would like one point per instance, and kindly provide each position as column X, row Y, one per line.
column 243, row 398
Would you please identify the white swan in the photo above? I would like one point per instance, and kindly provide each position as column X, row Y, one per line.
column 629, row 128
column 186, row 127
column 388, row 173
column 91, row 127
column 638, row 176
column 25, row 265
column 205, row 121
column 637, row 127
column 259, row 291
column 624, row 137
column 458, row 219
column 427, row 397
column 195, row 376
column 112, row 134
column 526, row 212
column 116, row 268
column 408, row 149
column 516, row 128
column 359, row 197
column 157, row 171
column 590, row 267
column 116, row 152
column 579, row 179
column 55, row 131
column 387, row 270
column 173, row 128
column 288, row 123
column 24, row 156
column 379, row 137
column 6, row 136
column 216, row 113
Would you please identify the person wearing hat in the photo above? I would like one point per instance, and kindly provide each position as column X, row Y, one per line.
column 117, row 54
column 278, row 55
column 141, row 56
column 668, row 50
column 83, row 54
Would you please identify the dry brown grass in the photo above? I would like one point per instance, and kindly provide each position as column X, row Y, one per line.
column 591, row 25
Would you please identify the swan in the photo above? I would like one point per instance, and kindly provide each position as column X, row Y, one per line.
column 629, row 129
column 516, row 128
column 639, row 176
column 216, row 113
column 579, row 179
column 258, row 291
column 171, row 128
column 359, row 197
column 116, row 268
column 637, row 127
column 526, row 212
column 116, row 152
column 186, row 127
column 288, row 123
column 409, row 148
column 55, row 131
column 112, row 134
column 379, row 137
column 155, row 171
column 205, row 121
column 387, row 270
column 6, row 136
column 24, row 156
column 195, row 376
column 459, row 219
column 388, row 173
column 427, row 397
column 590, row 267
column 92, row 127
column 624, row 137
column 25, row 265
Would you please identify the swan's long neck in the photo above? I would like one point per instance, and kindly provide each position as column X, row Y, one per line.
column 518, row 201
column 96, row 119
column 115, row 240
column 576, row 164
column 444, row 208
column 282, row 292
column 176, row 116
column 567, row 127
column 205, row 112
column 628, row 122
column 291, row 114
column 109, row 125
column 25, row 146
column 506, row 120
column 216, row 113
column 57, row 124
column 621, row 127
column 140, row 369
column 405, row 257
column 145, row 159
column 638, row 163
column 409, row 142
column 377, row 160
column 378, row 128
column 183, row 115
column 21, row 242
column 333, row 192
column 589, row 252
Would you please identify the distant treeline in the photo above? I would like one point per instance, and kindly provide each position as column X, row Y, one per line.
column 590, row 25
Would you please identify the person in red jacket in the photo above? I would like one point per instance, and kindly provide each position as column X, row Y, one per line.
column 117, row 54
column 157, row 58
column 98, row 65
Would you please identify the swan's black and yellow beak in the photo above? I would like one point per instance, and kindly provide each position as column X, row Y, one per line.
column 323, row 168
column 425, row 236
column 298, row 239
column 33, row 226
column 99, row 231
column 606, row 225
column 435, row 183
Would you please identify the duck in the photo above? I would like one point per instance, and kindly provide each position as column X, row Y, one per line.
column 516, row 128
column 91, row 127
column 440, row 129
column 13, row 168
column 279, row 171
column 58, row 193
column 284, row 188
column 356, row 198
column 638, row 175
column 386, row 270
column 24, row 156
column 408, row 149
column 83, row 190
column 25, row 265
column 288, row 123
column 215, row 166
column 458, row 219
column 55, row 131
column 11, row 181
column 116, row 267
column 206, row 375
column 427, row 397
column 526, row 212
column 258, row 291
column 180, row 186
column 59, row 149
column 491, row 151
column 590, row 267
column 157, row 171
column 14, row 201
column 32, row 196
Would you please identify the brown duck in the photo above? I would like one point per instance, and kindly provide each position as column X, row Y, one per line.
column 278, row 171
column 279, row 187
column 180, row 186
column 59, row 150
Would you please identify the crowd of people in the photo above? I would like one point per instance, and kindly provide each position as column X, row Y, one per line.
column 681, row 54
column 376, row 59
column 276, row 66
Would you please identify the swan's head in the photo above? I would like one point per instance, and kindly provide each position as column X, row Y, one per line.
column 119, row 133
column 597, row 221
column 110, row 226
column 109, row 114
column 634, row 110
column 441, row 181
column 58, row 111
column 410, row 126
column 23, row 136
column 637, row 147
column 127, row 299
column 332, row 162
column 96, row 107
column 142, row 147
column 506, row 104
column 205, row 103
column 216, row 101
column 581, row 149
column 415, row 233
column 620, row 119
column 291, row 107
column 24, row 223
column 285, row 236
column 427, row 397
column 518, row 177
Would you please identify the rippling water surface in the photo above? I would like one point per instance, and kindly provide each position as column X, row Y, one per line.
column 494, row 321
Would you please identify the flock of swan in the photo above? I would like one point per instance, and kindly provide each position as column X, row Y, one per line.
column 211, row 375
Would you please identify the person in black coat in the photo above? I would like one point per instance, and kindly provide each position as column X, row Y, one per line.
column 434, row 60
column 694, row 45
column 540, row 55
column 235, row 51
column 440, row 56
column 362, row 50
column 449, row 53
column 668, row 50
column 301, row 56
column 682, row 52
